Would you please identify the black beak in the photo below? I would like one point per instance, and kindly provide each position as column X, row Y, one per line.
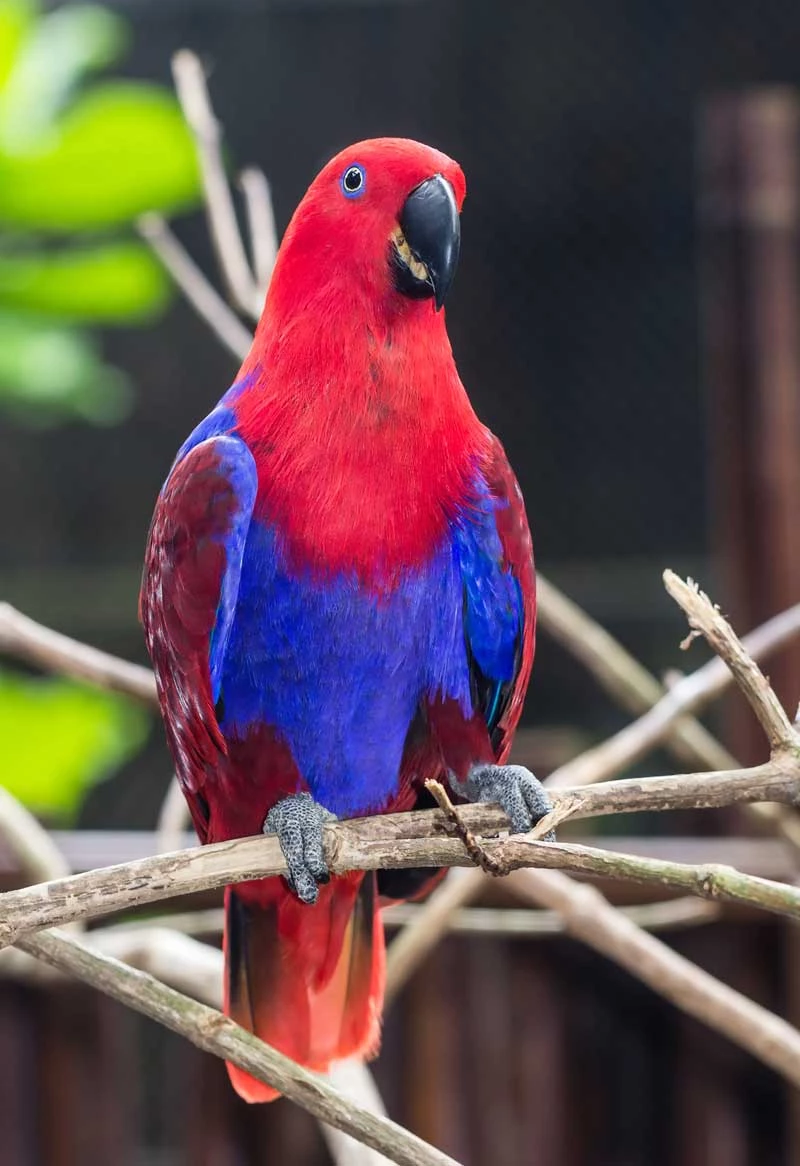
column 430, row 225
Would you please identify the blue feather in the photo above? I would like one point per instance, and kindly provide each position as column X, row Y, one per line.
column 341, row 672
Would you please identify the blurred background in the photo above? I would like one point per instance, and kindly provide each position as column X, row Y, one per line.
column 626, row 320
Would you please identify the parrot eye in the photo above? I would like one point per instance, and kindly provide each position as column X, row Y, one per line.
column 353, row 181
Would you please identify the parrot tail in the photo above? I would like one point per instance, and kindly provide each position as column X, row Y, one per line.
column 307, row 980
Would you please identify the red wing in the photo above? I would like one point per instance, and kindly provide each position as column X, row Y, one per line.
column 189, row 588
column 515, row 540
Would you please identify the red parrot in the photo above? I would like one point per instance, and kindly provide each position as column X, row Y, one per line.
column 338, row 594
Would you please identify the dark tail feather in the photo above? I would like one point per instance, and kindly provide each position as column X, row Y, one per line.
column 307, row 980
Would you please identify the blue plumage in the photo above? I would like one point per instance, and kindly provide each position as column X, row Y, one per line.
column 341, row 672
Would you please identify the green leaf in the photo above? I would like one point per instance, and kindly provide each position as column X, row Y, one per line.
column 48, row 374
column 105, row 283
column 62, row 47
column 60, row 739
column 122, row 149
column 16, row 20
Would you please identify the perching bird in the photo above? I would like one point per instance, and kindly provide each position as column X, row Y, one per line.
column 338, row 593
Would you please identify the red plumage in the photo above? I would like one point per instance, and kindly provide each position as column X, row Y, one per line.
column 365, row 450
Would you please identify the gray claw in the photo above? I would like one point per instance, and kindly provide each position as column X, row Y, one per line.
column 298, row 820
column 522, row 796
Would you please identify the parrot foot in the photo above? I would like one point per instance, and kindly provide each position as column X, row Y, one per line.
column 298, row 820
column 522, row 796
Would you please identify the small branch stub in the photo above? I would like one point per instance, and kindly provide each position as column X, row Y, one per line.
column 455, row 824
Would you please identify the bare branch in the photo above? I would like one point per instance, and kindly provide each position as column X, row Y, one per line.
column 414, row 840
column 777, row 781
column 621, row 675
column 688, row 695
column 38, row 855
column 199, row 291
column 591, row 918
column 31, row 641
column 209, row 1030
column 170, row 956
column 190, row 84
column 408, row 950
column 523, row 923
column 705, row 618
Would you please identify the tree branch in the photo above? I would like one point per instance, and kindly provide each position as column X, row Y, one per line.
column 190, row 85
column 705, row 619
column 33, row 642
column 524, row 923
column 690, row 694
column 590, row 918
column 621, row 675
column 415, row 839
column 261, row 224
column 199, row 291
column 209, row 1030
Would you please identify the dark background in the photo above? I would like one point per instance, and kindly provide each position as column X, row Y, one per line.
column 575, row 323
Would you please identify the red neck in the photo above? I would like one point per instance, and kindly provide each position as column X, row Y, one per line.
column 363, row 435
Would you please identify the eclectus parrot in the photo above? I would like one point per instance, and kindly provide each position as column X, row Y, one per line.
column 338, row 593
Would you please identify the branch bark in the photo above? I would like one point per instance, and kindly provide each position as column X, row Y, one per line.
column 416, row 840
column 209, row 1030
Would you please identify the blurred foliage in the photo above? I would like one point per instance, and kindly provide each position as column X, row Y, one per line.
column 81, row 160
column 60, row 739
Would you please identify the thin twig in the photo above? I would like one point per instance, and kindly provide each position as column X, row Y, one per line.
column 523, row 923
column 588, row 916
column 774, row 781
column 199, row 291
column 209, row 1030
column 261, row 224
column 156, row 945
column 456, row 825
column 190, row 85
column 706, row 619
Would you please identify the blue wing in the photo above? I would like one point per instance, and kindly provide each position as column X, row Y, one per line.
column 496, row 563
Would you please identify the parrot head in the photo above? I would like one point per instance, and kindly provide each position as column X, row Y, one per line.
column 381, row 220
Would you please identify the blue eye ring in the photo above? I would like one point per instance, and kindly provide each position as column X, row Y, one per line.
column 353, row 182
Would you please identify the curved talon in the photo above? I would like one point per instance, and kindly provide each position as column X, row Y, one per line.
column 298, row 820
column 522, row 796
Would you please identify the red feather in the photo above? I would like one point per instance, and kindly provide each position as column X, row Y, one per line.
column 366, row 449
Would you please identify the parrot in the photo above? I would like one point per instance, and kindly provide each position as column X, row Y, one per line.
column 338, row 595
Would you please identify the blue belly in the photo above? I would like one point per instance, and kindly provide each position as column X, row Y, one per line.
column 340, row 672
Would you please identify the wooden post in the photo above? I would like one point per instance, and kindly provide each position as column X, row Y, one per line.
column 749, row 178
